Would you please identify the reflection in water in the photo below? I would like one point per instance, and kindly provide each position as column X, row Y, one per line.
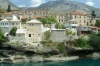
column 80, row 62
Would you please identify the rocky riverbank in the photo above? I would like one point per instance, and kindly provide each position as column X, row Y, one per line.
column 38, row 58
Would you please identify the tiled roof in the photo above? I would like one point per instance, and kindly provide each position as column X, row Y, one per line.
column 38, row 17
column 25, row 17
column 78, row 13
column 8, row 13
column 95, row 27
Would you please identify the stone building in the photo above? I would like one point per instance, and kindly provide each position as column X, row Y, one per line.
column 7, row 25
column 72, row 26
column 33, row 31
column 58, row 35
column 33, row 13
column 81, row 17
column 60, row 17
column 7, row 15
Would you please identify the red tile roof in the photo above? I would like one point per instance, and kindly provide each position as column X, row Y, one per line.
column 95, row 27
column 78, row 13
column 8, row 13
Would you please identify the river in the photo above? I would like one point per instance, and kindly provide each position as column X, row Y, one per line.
column 80, row 62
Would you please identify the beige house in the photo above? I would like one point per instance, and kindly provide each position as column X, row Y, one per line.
column 7, row 15
column 33, row 31
column 60, row 17
column 33, row 13
column 81, row 17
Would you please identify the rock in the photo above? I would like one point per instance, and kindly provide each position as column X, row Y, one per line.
column 96, row 55
column 37, row 59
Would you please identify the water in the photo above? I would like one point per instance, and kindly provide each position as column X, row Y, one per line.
column 80, row 62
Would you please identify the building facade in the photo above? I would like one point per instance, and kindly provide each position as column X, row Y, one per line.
column 33, row 31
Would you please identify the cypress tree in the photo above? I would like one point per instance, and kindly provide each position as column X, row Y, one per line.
column 9, row 8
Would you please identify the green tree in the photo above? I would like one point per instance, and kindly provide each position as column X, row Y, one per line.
column 82, row 43
column 44, row 21
column 13, row 31
column 1, row 11
column 93, row 14
column 95, row 41
column 97, row 23
column 9, row 8
column 51, row 19
column 57, row 25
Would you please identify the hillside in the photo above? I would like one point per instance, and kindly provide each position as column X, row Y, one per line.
column 4, row 4
column 68, row 6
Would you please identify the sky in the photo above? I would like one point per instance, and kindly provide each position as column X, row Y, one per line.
column 35, row 3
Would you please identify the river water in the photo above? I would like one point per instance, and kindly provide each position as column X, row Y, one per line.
column 80, row 62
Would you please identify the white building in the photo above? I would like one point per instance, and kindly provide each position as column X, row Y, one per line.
column 71, row 25
column 7, row 25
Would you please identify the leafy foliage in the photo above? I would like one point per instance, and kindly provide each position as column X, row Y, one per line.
column 61, row 47
column 82, row 43
column 44, row 21
column 95, row 41
column 1, row 11
column 23, row 21
column 97, row 23
column 13, row 31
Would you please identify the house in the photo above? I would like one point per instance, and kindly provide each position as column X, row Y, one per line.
column 57, row 35
column 7, row 15
column 95, row 29
column 81, row 30
column 33, row 31
column 82, row 18
column 72, row 26
column 7, row 25
column 60, row 17
column 20, row 36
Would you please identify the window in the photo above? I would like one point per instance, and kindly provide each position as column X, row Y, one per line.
column 12, row 23
column 33, row 34
column 29, row 35
column 19, row 35
column 84, row 21
column 75, row 16
column 39, row 34
column 16, row 23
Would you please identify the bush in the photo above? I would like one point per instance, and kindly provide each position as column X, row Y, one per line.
column 46, row 56
column 95, row 41
column 82, row 43
column 13, row 31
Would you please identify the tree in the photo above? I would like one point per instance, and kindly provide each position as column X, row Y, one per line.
column 51, row 19
column 9, row 8
column 1, row 11
column 95, row 41
column 97, row 23
column 2, row 38
column 44, row 21
column 57, row 25
column 93, row 14
column 82, row 43
column 13, row 31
